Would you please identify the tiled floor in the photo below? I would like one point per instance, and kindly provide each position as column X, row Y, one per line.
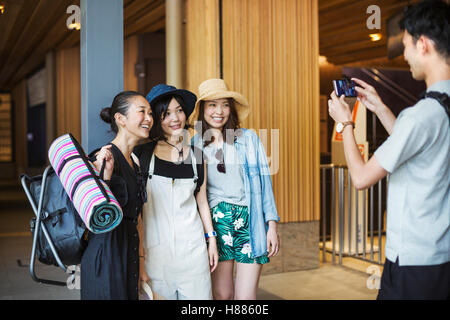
column 329, row 282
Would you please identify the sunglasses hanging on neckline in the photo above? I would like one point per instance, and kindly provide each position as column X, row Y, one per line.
column 221, row 165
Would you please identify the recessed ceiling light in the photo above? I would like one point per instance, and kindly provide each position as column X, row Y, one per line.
column 375, row 36
column 74, row 26
column 322, row 60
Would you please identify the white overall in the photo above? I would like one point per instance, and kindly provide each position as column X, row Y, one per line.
column 174, row 241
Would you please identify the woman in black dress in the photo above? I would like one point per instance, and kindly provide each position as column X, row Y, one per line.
column 110, row 267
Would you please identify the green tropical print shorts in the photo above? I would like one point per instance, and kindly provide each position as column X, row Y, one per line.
column 231, row 223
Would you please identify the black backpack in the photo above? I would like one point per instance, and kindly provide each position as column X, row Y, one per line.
column 61, row 219
column 440, row 97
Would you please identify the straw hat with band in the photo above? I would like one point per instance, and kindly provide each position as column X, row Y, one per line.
column 214, row 89
column 164, row 90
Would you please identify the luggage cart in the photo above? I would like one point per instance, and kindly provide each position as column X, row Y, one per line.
column 37, row 204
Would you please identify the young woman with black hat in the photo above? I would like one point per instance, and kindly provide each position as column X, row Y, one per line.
column 239, row 191
column 176, row 218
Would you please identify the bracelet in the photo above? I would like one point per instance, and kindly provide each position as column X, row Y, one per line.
column 142, row 257
column 210, row 234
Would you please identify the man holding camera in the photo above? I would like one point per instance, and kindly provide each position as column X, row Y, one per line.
column 417, row 157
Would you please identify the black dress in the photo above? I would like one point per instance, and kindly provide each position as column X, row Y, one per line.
column 110, row 264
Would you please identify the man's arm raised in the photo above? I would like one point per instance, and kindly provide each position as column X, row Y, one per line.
column 363, row 174
column 370, row 98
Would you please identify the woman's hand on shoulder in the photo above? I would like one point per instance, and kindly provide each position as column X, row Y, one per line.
column 105, row 154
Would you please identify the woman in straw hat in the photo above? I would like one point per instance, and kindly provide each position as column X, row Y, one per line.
column 239, row 190
column 176, row 219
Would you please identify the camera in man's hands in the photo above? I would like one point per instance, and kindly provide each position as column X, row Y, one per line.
column 344, row 87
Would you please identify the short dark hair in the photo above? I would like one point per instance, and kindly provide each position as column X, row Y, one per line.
column 431, row 19
column 120, row 104
column 159, row 108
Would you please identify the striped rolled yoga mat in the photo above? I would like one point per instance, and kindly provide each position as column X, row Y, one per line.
column 91, row 196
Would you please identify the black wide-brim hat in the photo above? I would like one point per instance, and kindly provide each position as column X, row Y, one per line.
column 163, row 90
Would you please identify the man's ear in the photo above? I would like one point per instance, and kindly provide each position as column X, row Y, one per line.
column 425, row 45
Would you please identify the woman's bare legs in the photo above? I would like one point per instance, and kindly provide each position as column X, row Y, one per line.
column 245, row 285
column 247, row 279
column 222, row 281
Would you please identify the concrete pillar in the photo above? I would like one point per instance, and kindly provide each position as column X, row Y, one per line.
column 174, row 20
column 101, row 66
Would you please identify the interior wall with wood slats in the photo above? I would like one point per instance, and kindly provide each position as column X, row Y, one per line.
column 270, row 55
column 19, row 97
column 6, row 134
column 68, row 92
column 130, row 56
column 202, row 42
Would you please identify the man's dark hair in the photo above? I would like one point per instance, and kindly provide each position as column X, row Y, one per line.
column 429, row 18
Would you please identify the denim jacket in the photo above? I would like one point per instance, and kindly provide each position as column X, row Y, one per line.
column 258, row 187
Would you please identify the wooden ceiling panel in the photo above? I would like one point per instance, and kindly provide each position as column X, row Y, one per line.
column 34, row 34
column 17, row 14
column 349, row 12
column 31, row 28
column 360, row 55
column 154, row 11
column 8, row 21
column 137, row 8
column 155, row 26
column 343, row 34
column 51, row 40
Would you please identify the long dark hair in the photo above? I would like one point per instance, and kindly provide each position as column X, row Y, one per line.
column 160, row 107
column 231, row 124
column 120, row 104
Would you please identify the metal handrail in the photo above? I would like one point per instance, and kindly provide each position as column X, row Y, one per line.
column 342, row 220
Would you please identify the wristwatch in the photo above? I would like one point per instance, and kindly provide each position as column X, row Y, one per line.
column 210, row 234
column 341, row 125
